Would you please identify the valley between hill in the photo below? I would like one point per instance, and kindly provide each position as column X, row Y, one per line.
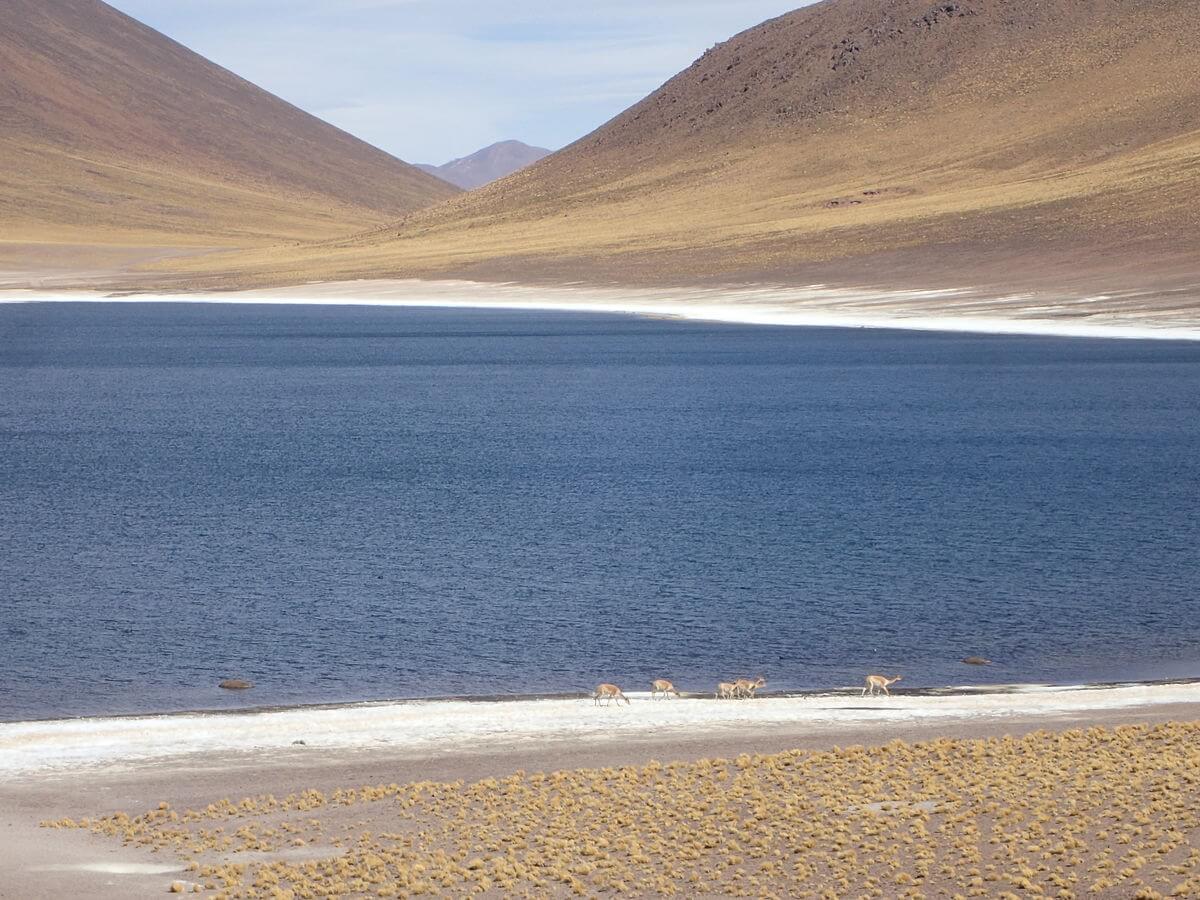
column 991, row 144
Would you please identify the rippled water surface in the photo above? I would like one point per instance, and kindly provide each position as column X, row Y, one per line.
column 352, row 502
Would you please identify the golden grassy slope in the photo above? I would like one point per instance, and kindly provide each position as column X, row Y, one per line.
column 942, row 137
column 1081, row 813
column 112, row 133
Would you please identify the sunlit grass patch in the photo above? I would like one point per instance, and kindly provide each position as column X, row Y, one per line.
column 1066, row 814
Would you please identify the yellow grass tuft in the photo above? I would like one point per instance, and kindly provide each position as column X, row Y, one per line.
column 1067, row 814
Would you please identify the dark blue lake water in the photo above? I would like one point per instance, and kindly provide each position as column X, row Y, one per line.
column 351, row 503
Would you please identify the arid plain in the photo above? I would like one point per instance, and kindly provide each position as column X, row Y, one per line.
column 1103, row 804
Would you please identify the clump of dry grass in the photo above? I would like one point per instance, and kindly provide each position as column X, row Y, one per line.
column 1068, row 814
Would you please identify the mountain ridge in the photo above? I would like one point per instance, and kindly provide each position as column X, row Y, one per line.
column 488, row 164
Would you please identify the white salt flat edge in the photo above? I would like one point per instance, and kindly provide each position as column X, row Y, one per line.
column 955, row 310
column 435, row 726
column 111, row 868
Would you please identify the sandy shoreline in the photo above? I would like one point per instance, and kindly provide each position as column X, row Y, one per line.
column 1115, row 315
column 436, row 727
column 36, row 862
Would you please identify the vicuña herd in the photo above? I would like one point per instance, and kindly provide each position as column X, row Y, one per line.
column 741, row 689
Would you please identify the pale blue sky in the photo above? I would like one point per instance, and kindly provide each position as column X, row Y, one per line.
column 430, row 81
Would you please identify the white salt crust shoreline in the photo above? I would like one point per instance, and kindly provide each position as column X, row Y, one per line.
column 958, row 310
column 437, row 726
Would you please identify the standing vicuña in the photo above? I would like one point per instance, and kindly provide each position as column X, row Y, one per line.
column 744, row 687
column 608, row 692
column 875, row 682
column 726, row 690
column 664, row 687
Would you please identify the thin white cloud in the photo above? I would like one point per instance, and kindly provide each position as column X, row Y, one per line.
column 430, row 81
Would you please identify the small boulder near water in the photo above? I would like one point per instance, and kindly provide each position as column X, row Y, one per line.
column 977, row 661
column 236, row 684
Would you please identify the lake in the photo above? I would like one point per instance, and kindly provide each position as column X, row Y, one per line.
column 345, row 503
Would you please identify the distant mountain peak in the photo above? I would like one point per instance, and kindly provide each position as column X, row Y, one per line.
column 494, row 161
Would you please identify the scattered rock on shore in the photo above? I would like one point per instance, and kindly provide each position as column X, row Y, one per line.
column 236, row 684
column 977, row 661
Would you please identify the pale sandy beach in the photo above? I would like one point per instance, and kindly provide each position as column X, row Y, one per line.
column 442, row 726
column 97, row 767
column 1115, row 315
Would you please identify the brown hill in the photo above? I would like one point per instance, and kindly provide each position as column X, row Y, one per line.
column 852, row 140
column 111, row 133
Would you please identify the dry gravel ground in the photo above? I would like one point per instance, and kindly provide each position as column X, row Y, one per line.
column 1107, row 809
